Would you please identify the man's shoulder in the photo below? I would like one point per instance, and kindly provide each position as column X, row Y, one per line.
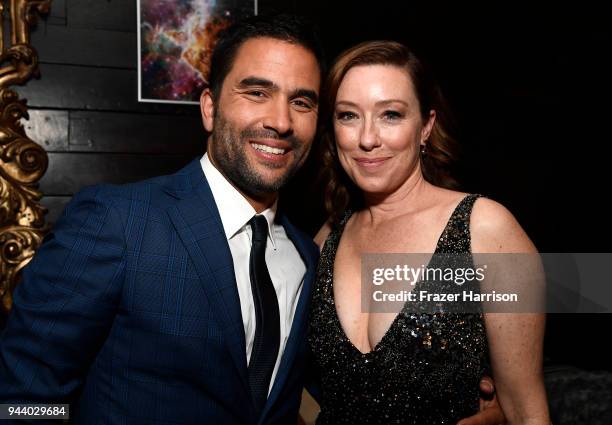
column 174, row 184
column 151, row 194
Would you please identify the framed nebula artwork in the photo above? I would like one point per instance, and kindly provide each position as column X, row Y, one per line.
column 175, row 39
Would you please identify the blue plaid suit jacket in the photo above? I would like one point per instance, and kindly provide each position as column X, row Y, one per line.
column 130, row 312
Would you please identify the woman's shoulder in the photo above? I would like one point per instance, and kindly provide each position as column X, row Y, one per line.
column 494, row 228
column 447, row 198
column 331, row 224
column 484, row 211
column 491, row 216
column 446, row 201
column 323, row 233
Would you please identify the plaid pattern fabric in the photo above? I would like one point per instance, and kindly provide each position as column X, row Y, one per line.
column 129, row 311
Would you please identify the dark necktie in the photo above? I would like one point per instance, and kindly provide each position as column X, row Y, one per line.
column 267, row 328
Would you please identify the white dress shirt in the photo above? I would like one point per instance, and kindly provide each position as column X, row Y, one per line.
column 286, row 267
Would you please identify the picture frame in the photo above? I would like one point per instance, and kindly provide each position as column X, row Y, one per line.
column 175, row 42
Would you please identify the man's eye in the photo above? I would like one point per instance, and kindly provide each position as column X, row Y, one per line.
column 345, row 116
column 256, row 93
column 302, row 104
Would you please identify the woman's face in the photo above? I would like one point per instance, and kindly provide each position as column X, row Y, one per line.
column 378, row 127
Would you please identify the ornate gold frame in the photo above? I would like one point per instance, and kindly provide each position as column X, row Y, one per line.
column 22, row 161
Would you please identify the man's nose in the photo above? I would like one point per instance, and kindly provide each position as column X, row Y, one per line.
column 278, row 117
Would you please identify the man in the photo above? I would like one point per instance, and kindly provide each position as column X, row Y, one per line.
column 183, row 299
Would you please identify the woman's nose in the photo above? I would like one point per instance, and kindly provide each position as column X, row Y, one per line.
column 369, row 136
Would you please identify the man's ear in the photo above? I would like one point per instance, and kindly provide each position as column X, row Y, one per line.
column 207, row 108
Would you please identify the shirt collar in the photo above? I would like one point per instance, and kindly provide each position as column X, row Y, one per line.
column 234, row 209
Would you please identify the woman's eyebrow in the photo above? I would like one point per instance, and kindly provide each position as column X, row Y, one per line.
column 388, row 101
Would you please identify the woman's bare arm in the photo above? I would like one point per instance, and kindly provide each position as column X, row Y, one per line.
column 515, row 339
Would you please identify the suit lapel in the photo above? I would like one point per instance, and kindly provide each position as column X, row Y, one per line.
column 196, row 219
column 198, row 224
column 300, row 318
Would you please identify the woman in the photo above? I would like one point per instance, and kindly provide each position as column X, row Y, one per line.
column 390, row 191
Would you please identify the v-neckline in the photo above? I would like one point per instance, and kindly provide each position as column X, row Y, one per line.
column 336, row 318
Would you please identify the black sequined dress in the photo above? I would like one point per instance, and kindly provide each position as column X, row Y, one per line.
column 426, row 368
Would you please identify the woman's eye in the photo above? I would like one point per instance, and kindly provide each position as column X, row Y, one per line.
column 392, row 115
column 345, row 116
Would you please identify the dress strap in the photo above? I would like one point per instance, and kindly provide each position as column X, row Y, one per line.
column 456, row 236
column 345, row 217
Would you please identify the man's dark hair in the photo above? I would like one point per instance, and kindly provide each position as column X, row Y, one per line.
column 284, row 27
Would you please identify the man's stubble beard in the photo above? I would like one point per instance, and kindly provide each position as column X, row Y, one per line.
column 228, row 150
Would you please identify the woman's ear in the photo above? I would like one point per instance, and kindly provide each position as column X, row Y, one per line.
column 207, row 108
column 428, row 127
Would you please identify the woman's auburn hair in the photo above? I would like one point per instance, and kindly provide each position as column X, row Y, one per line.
column 340, row 192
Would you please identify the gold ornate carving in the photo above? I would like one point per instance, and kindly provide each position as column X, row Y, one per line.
column 22, row 161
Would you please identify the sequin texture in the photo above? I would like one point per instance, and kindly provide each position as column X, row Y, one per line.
column 426, row 368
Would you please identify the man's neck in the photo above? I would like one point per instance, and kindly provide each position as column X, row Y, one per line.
column 259, row 203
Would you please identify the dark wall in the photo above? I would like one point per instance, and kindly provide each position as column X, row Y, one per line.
column 529, row 83
column 84, row 109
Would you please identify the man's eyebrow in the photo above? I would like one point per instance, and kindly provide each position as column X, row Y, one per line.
column 307, row 93
column 256, row 81
column 262, row 82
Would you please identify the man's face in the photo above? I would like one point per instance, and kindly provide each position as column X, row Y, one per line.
column 265, row 118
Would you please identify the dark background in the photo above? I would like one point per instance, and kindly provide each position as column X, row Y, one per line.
column 529, row 84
